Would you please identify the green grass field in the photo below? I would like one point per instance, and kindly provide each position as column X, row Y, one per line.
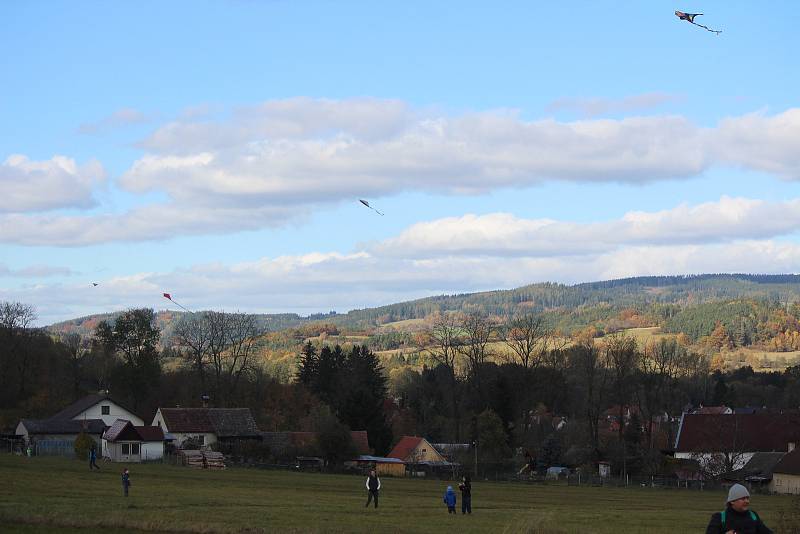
column 47, row 494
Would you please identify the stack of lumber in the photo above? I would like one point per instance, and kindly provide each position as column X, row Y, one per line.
column 192, row 458
column 214, row 460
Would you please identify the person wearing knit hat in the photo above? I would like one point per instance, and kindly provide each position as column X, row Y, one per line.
column 737, row 518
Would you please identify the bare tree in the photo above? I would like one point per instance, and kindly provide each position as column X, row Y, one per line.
column 622, row 359
column 529, row 339
column 592, row 371
column 193, row 334
column 446, row 336
column 230, row 345
column 477, row 334
column 660, row 364
column 72, row 344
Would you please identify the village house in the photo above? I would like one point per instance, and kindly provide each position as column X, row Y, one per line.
column 91, row 414
column 420, row 456
column 205, row 426
column 722, row 443
column 786, row 474
column 126, row 442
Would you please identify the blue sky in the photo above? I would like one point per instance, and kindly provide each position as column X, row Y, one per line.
column 217, row 150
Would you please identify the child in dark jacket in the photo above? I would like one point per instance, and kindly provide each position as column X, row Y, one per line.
column 450, row 500
column 126, row 481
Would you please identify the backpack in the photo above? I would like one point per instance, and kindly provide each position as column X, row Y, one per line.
column 753, row 516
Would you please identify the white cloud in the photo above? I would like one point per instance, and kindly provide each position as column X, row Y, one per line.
column 593, row 107
column 764, row 143
column 268, row 164
column 120, row 118
column 502, row 234
column 34, row 271
column 323, row 281
column 46, row 185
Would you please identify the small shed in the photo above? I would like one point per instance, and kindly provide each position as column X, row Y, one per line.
column 125, row 442
column 392, row 467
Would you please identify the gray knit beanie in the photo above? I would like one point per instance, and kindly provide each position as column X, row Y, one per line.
column 736, row 492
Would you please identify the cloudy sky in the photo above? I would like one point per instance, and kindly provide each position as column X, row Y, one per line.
column 217, row 150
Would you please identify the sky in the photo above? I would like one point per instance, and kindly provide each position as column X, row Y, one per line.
column 217, row 151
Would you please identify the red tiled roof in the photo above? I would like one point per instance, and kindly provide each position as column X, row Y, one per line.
column 115, row 430
column 404, row 447
column 187, row 419
column 123, row 430
column 738, row 432
column 150, row 433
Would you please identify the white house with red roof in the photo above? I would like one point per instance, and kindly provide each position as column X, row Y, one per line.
column 126, row 442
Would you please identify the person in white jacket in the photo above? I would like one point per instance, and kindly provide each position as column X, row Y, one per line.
column 373, row 487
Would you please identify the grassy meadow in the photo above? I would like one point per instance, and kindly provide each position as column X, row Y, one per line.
column 56, row 494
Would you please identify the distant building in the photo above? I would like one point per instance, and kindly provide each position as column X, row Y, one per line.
column 726, row 442
column 205, row 426
column 786, row 474
column 91, row 414
column 126, row 442
column 414, row 449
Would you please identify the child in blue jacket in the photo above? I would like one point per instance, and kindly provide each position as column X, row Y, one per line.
column 450, row 500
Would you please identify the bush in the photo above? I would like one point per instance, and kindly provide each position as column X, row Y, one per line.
column 83, row 444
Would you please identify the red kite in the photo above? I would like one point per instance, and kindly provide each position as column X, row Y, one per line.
column 169, row 297
column 689, row 17
column 370, row 207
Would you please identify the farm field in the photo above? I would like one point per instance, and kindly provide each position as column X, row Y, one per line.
column 56, row 494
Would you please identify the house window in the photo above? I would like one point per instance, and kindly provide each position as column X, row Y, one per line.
column 201, row 439
column 126, row 448
column 105, row 410
column 134, row 448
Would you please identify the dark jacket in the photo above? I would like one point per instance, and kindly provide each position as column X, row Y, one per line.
column 126, row 479
column 373, row 483
column 742, row 523
column 466, row 489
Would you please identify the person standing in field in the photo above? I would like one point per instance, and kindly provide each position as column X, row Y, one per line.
column 373, row 487
column 93, row 458
column 450, row 500
column 466, row 495
column 126, row 481
column 737, row 518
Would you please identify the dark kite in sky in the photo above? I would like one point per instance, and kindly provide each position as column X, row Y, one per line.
column 689, row 17
column 370, row 207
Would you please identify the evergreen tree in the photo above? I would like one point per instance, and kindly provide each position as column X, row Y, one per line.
column 309, row 362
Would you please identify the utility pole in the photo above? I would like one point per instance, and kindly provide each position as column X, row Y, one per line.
column 475, row 445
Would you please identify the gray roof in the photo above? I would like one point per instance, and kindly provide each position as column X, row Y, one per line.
column 760, row 467
column 81, row 405
column 224, row 422
column 64, row 426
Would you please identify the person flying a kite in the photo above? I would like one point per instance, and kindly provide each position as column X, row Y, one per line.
column 370, row 207
column 689, row 17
